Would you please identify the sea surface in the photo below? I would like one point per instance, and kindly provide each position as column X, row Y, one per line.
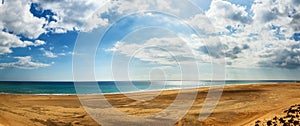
column 109, row 87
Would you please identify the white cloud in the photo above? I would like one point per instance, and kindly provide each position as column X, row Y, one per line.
column 223, row 13
column 168, row 51
column 263, row 15
column 243, row 52
column 253, row 41
column 88, row 15
column 239, row 51
column 23, row 63
column 280, row 13
column 285, row 54
column 79, row 15
column 16, row 17
column 65, row 46
column 69, row 15
column 50, row 54
column 39, row 42
column 140, row 6
column 202, row 23
column 8, row 41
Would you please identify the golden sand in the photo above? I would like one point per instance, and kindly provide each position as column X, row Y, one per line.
column 239, row 105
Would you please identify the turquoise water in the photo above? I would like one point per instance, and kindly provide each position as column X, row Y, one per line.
column 108, row 87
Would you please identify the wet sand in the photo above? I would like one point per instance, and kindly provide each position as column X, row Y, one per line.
column 239, row 105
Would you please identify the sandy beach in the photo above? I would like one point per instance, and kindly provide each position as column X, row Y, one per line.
column 239, row 105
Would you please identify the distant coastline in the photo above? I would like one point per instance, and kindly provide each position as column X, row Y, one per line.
column 109, row 87
column 68, row 81
column 239, row 105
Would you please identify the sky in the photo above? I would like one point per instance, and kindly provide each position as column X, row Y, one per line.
column 101, row 40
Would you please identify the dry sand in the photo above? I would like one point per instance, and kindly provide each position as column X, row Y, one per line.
column 239, row 105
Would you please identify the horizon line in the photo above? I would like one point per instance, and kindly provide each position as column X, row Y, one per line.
column 281, row 80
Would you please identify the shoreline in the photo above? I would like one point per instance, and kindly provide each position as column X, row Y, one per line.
column 242, row 104
column 145, row 91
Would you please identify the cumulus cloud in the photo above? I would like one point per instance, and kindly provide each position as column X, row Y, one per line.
column 88, row 15
column 223, row 13
column 283, row 55
column 23, row 63
column 238, row 52
column 48, row 53
column 8, row 41
column 278, row 13
column 39, row 42
column 165, row 51
column 16, row 17
column 243, row 52
column 18, row 22
column 202, row 23
column 259, row 37
column 295, row 23
column 73, row 15
column 274, row 10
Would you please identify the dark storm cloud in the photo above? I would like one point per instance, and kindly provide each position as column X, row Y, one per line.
column 296, row 2
column 223, row 50
column 240, row 18
column 283, row 58
column 215, row 51
column 233, row 53
column 295, row 23
column 269, row 16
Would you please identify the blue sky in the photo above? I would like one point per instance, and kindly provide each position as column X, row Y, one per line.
column 251, row 39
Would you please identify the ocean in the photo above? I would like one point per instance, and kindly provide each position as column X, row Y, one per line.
column 109, row 87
